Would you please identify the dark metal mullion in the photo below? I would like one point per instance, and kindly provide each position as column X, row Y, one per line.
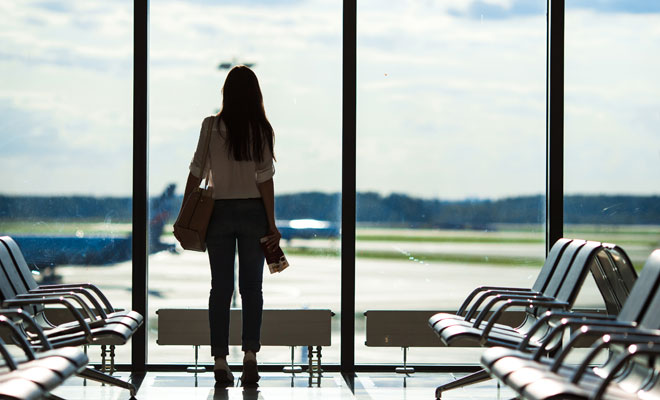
column 140, row 182
column 349, row 122
column 555, row 124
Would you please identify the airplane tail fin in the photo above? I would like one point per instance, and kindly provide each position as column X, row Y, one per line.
column 161, row 210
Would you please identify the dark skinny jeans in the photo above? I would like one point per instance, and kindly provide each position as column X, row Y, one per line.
column 241, row 221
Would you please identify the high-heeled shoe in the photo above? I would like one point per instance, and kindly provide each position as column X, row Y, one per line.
column 222, row 373
column 250, row 374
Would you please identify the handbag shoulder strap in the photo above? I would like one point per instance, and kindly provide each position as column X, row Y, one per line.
column 207, row 143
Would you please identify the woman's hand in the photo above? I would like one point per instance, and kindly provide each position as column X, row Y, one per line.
column 273, row 238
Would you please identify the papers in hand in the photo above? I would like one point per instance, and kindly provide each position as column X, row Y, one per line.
column 275, row 258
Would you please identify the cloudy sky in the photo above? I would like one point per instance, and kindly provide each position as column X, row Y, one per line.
column 451, row 93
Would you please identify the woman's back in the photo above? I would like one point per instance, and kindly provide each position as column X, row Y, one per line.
column 231, row 179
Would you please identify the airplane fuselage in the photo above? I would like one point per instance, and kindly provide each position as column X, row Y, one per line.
column 50, row 251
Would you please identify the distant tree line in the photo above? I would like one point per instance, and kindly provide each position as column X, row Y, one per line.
column 372, row 208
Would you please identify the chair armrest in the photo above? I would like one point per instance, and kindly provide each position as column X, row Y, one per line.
column 79, row 291
column 28, row 320
column 9, row 360
column 480, row 289
column 18, row 336
column 605, row 342
column 587, row 327
column 566, row 322
column 573, row 314
column 607, row 331
column 632, row 351
column 512, row 303
column 90, row 314
column 490, row 293
column 54, row 300
column 501, row 298
column 89, row 286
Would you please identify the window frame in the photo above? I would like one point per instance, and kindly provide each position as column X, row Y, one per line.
column 553, row 196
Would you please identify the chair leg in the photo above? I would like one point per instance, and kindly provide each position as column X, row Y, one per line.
column 98, row 376
column 476, row 377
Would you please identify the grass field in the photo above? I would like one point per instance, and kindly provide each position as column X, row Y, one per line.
column 437, row 257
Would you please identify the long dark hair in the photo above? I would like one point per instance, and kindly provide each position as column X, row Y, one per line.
column 248, row 129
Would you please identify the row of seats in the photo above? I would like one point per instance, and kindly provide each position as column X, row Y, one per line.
column 532, row 358
column 33, row 375
column 95, row 321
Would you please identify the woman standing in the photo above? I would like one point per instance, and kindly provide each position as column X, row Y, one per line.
column 240, row 170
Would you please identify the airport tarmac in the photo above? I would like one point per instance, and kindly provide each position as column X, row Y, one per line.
column 531, row 251
column 183, row 280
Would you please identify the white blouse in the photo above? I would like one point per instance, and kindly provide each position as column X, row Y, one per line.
column 230, row 179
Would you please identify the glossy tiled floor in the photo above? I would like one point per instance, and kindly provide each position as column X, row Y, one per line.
column 277, row 386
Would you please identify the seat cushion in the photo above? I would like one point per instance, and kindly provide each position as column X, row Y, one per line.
column 43, row 376
column 73, row 354
column 449, row 322
column 458, row 335
column 63, row 367
column 124, row 320
column 20, row 389
column 136, row 316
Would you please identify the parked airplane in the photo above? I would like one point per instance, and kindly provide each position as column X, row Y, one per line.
column 307, row 229
column 47, row 252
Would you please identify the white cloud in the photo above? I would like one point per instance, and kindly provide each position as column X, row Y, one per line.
column 448, row 106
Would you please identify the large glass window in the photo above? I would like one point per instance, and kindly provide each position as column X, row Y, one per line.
column 451, row 157
column 295, row 50
column 612, row 115
column 451, row 145
column 66, row 152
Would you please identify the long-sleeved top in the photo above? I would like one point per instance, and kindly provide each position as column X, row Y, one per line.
column 230, row 179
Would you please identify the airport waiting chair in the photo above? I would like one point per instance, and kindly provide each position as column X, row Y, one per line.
column 14, row 383
column 87, row 327
column 101, row 305
column 612, row 270
column 631, row 359
column 61, row 346
column 615, row 276
column 562, row 286
column 476, row 298
column 24, row 286
column 37, row 374
column 535, row 376
column 13, row 293
column 574, row 262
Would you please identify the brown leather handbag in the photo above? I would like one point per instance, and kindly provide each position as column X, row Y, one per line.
column 193, row 220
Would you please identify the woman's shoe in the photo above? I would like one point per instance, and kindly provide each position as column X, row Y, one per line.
column 250, row 374
column 223, row 377
column 222, row 373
